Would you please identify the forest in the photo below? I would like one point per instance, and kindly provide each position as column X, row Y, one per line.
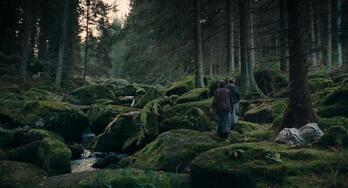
column 175, row 94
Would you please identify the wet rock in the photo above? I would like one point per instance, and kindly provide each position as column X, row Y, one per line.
column 76, row 150
column 112, row 158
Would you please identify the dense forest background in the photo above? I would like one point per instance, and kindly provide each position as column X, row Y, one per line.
column 76, row 39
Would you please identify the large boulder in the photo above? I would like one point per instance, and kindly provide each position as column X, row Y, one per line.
column 101, row 115
column 174, row 150
column 62, row 118
column 129, row 90
column 88, row 94
column 193, row 95
column 336, row 136
column 261, row 164
column 194, row 119
column 317, row 84
column 121, row 178
column 326, row 123
column 271, row 81
column 335, row 104
column 182, row 86
column 259, row 113
column 150, row 95
column 17, row 174
column 117, row 132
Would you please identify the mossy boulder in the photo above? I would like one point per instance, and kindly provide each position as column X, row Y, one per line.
column 335, row 104
column 325, row 123
column 182, row 86
column 179, row 109
column 62, row 118
column 18, row 174
column 130, row 90
column 336, row 136
column 193, row 95
column 88, row 94
column 251, row 132
column 174, row 150
column 259, row 113
column 271, row 81
column 262, row 163
column 42, row 95
column 123, row 127
column 101, row 115
column 54, row 156
column 194, row 119
column 121, row 178
column 6, row 138
column 317, row 84
column 26, row 153
column 150, row 95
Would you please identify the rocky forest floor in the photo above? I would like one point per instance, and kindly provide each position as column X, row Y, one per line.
column 151, row 136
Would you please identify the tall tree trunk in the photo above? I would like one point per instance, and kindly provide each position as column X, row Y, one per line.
column 339, row 33
column 211, row 56
column 284, row 50
column 86, row 41
column 314, row 62
column 62, row 44
column 318, row 35
column 26, row 41
column 230, row 38
column 329, row 38
column 199, row 50
column 300, row 110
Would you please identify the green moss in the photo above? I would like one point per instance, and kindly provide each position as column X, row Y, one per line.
column 325, row 123
column 54, row 156
column 6, row 138
column 194, row 119
column 150, row 95
column 88, row 94
column 193, row 95
column 335, row 104
column 259, row 113
column 174, row 150
column 248, row 164
column 334, row 136
column 271, row 81
column 18, row 174
column 26, row 153
column 63, row 118
column 101, row 115
column 182, row 86
column 317, row 84
column 123, row 127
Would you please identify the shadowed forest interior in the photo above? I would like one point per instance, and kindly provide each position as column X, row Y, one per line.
column 173, row 94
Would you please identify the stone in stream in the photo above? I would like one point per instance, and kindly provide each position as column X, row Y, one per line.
column 112, row 158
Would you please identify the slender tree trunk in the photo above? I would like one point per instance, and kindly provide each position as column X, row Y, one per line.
column 284, row 50
column 199, row 50
column 318, row 35
column 314, row 62
column 86, row 41
column 26, row 41
column 62, row 44
column 339, row 33
column 300, row 110
column 211, row 57
column 329, row 38
column 230, row 38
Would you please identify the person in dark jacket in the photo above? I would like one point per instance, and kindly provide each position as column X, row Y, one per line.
column 222, row 108
column 235, row 96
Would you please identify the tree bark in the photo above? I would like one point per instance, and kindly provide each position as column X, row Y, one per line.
column 86, row 41
column 339, row 33
column 300, row 110
column 26, row 41
column 63, row 39
column 319, row 50
column 284, row 50
column 329, row 38
column 314, row 62
column 199, row 50
column 230, row 38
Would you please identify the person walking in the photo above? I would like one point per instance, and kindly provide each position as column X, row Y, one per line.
column 235, row 96
column 222, row 107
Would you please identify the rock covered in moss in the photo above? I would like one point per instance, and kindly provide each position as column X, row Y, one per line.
column 117, row 132
column 248, row 131
column 88, row 94
column 101, row 115
column 271, row 81
column 325, row 123
column 174, row 150
column 336, row 136
column 182, row 86
column 335, row 104
column 62, row 118
column 130, row 90
column 121, row 178
column 252, row 164
column 194, row 119
column 150, row 95
column 6, row 138
column 317, row 84
column 76, row 150
column 18, row 174
column 193, row 95
column 259, row 113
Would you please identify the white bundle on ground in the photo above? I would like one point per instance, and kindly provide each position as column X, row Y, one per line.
column 307, row 134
